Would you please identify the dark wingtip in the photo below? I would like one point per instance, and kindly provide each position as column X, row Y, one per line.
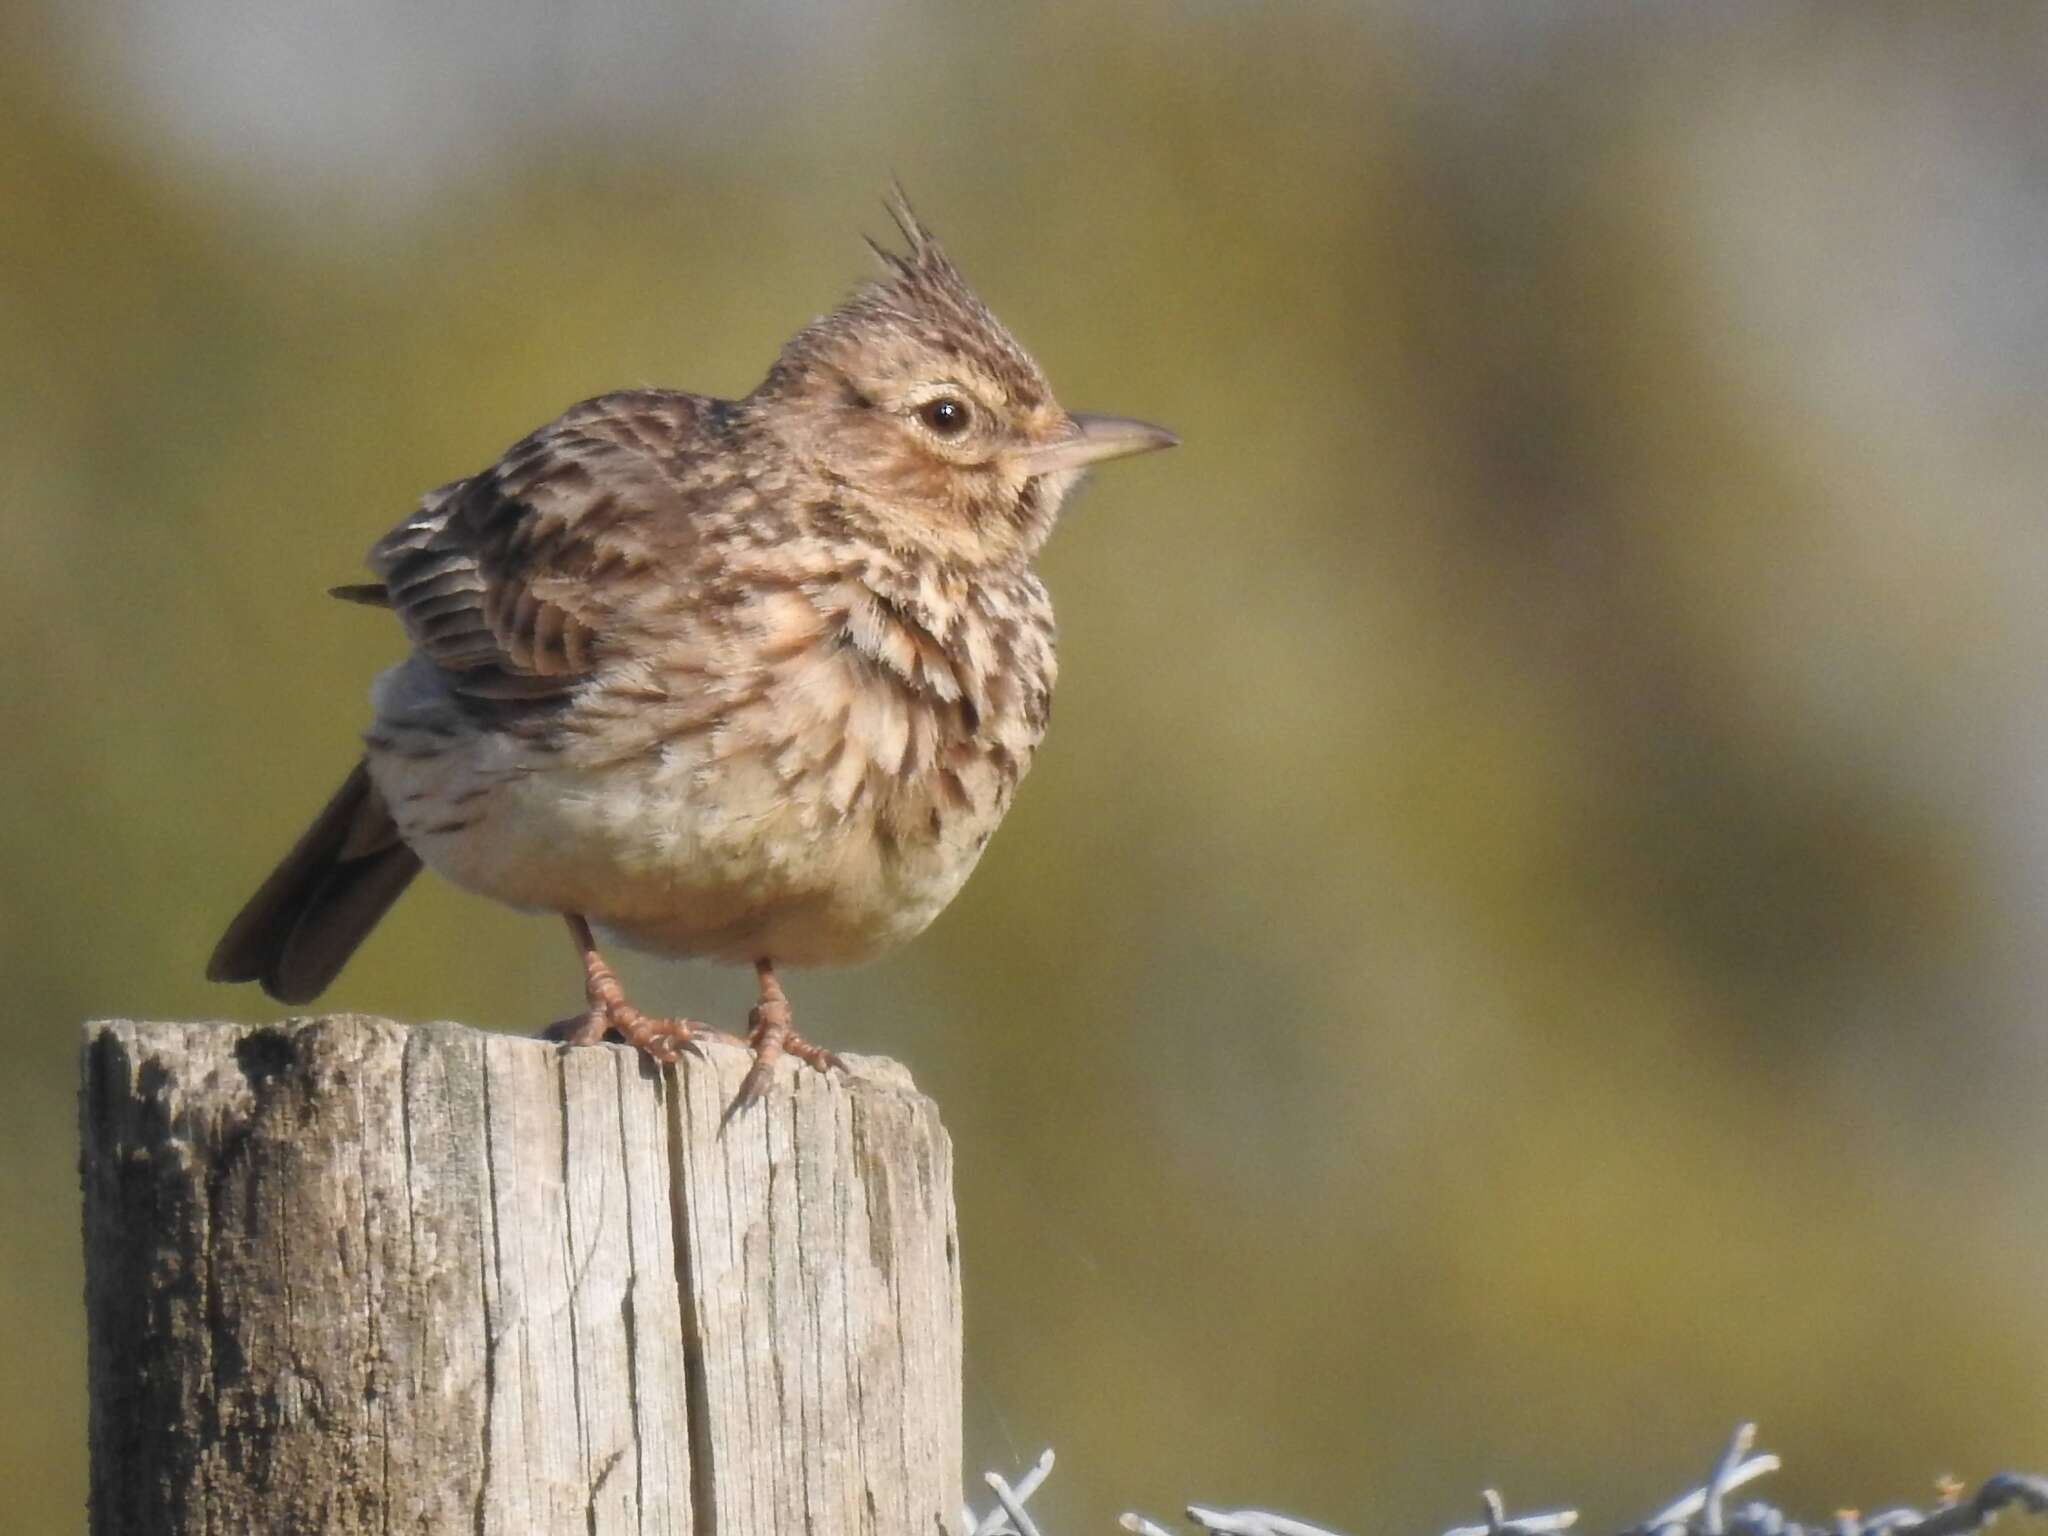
column 256, row 948
column 295, row 993
column 371, row 594
column 223, row 966
column 294, row 935
column 243, row 950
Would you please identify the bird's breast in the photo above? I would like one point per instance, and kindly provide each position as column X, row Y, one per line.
column 823, row 822
column 813, row 784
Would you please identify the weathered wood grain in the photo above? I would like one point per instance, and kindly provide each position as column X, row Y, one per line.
column 345, row 1275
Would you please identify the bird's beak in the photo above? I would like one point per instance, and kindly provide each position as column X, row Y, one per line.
column 1092, row 439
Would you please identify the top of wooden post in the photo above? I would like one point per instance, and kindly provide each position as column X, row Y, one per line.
column 345, row 1274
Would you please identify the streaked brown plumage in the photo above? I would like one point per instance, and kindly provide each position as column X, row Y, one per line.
column 754, row 679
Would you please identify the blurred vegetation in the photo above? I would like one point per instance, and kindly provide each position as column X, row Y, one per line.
column 1526, row 938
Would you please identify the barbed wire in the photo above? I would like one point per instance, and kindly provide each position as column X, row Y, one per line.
column 1702, row 1512
column 1008, row 1517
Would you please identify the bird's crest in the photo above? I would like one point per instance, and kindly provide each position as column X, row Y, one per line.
column 924, row 247
column 923, row 294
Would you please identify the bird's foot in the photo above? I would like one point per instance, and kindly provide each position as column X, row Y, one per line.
column 771, row 1036
column 662, row 1041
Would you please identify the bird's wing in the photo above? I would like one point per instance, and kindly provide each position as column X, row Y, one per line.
column 509, row 580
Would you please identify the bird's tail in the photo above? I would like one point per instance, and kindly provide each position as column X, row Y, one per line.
column 298, row 930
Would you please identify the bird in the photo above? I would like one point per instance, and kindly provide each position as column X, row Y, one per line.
column 750, row 680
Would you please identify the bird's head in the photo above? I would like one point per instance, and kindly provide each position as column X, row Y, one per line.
column 934, row 425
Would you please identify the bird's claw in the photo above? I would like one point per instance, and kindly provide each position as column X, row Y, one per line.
column 662, row 1041
column 771, row 1036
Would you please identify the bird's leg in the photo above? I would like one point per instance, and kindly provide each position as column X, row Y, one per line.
column 661, row 1040
column 771, row 1035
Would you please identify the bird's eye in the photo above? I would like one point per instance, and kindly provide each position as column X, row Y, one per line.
column 946, row 415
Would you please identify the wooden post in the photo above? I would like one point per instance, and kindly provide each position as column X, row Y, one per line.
column 343, row 1275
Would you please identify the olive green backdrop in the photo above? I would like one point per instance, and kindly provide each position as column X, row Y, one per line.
column 1525, row 943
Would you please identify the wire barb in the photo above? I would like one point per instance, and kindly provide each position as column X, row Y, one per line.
column 1008, row 1517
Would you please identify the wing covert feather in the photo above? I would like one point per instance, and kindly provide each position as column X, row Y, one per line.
column 502, row 579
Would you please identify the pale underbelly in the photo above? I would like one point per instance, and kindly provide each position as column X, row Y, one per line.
column 673, row 858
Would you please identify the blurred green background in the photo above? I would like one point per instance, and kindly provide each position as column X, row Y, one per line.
column 1525, row 944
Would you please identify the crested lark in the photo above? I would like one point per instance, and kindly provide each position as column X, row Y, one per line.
column 747, row 679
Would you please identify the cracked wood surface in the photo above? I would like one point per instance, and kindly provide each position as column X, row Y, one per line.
column 347, row 1275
